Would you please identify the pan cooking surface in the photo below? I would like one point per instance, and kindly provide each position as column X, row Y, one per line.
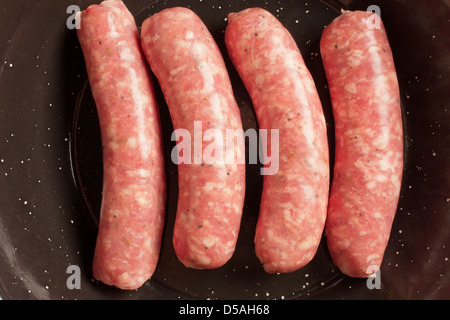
column 51, row 161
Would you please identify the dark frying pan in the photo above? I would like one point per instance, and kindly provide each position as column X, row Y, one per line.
column 51, row 162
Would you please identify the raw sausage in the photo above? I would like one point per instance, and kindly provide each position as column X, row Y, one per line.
column 369, row 142
column 294, row 200
column 191, row 72
column 134, row 182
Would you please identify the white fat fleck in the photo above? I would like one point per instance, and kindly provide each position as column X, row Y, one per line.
column 144, row 173
column 288, row 216
column 371, row 184
column 384, row 164
column 395, row 180
column 141, row 103
column 125, row 52
column 306, row 244
column 132, row 142
column 169, row 14
column 203, row 259
column 174, row 72
column 142, row 201
column 371, row 257
column 382, row 91
column 140, row 173
column 112, row 26
column 351, row 87
column 308, row 192
column 189, row 35
column 200, row 52
column 308, row 129
column 196, row 249
column 215, row 102
column 209, row 241
column 375, row 56
column 348, row 204
column 126, row 278
column 354, row 59
column 209, row 186
column 186, row 218
column 260, row 79
column 382, row 140
column 111, row 131
column 380, row 178
column 289, row 190
column 113, row 145
column 128, row 191
column 186, row 194
column 377, row 215
column 343, row 244
column 149, row 39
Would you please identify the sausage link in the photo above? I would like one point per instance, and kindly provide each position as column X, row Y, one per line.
column 191, row 72
column 294, row 200
column 134, row 182
column 369, row 141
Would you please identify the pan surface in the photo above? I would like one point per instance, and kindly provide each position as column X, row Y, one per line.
column 51, row 161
